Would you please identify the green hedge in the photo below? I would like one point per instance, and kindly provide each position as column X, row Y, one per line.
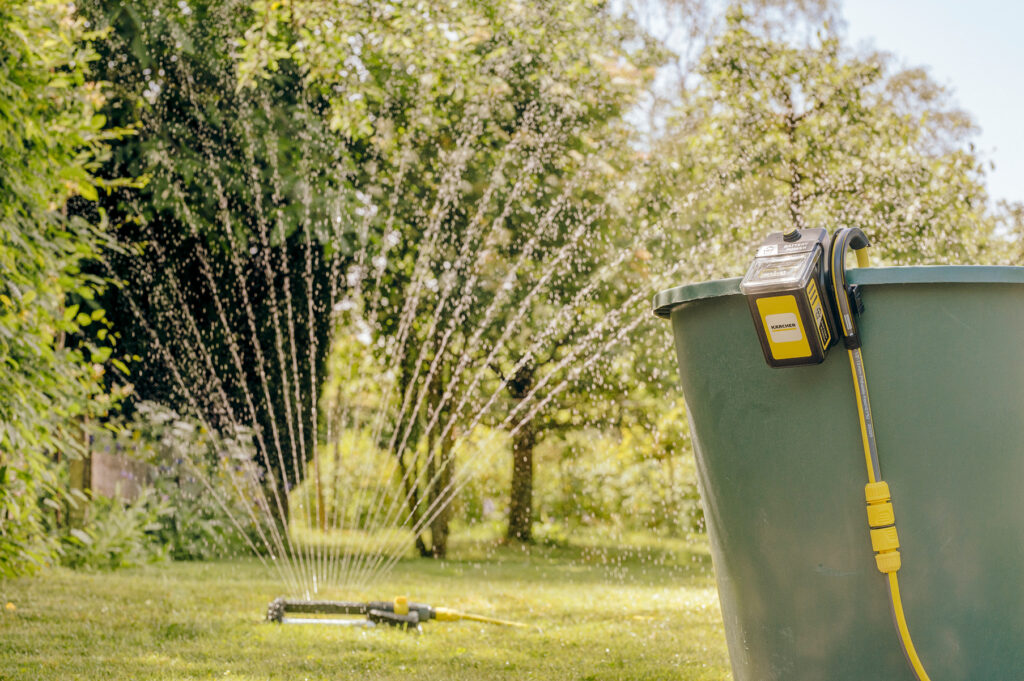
column 51, row 139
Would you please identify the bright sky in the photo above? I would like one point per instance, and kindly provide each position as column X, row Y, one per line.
column 975, row 47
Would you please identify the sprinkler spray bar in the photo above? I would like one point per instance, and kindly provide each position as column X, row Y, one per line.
column 397, row 613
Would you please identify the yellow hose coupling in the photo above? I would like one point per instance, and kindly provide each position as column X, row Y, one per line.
column 446, row 615
column 882, row 521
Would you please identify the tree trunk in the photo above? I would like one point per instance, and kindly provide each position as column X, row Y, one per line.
column 436, row 477
column 80, row 473
column 421, row 548
column 439, row 526
column 520, row 508
column 443, row 469
column 412, row 500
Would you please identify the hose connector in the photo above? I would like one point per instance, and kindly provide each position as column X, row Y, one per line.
column 882, row 521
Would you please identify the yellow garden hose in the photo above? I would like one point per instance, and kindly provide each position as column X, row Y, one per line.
column 881, row 518
column 448, row 615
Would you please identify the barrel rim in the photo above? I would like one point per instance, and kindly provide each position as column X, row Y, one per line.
column 669, row 299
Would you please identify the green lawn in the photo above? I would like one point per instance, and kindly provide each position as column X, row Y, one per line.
column 596, row 612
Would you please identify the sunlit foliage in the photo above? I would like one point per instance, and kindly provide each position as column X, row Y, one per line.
column 52, row 142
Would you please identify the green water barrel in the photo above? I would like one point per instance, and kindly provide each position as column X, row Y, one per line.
column 782, row 474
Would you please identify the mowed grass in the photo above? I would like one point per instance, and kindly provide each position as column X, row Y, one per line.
column 596, row 613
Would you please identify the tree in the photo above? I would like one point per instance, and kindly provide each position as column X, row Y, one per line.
column 779, row 134
column 780, row 124
column 226, row 253
column 479, row 119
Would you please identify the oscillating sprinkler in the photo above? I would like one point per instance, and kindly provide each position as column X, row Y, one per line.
column 397, row 613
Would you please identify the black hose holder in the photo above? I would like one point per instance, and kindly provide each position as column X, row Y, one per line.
column 851, row 304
